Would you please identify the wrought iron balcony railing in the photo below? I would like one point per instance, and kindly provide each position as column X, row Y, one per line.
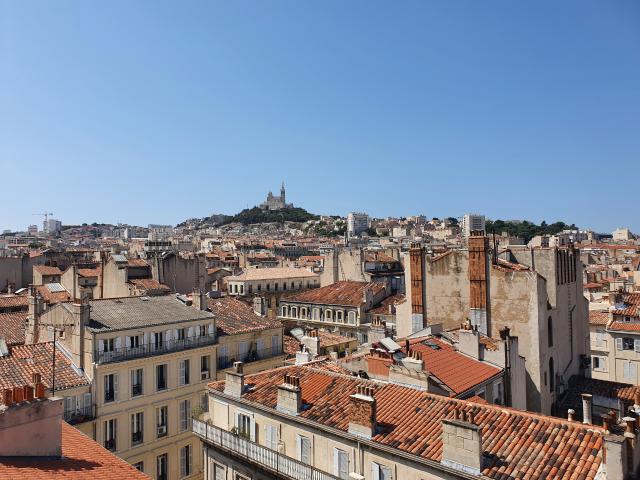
column 150, row 349
column 265, row 458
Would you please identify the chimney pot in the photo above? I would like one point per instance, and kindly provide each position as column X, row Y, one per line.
column 289, row 395
column 570, row 414
column 39, row 390
column 606, row 421
column 18, row 394
column 630, row 424
column 7, row 397
column 586, row 408
column 234, row 380
column 28, row 393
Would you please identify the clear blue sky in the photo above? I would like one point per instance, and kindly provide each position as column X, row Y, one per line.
column 152, row 112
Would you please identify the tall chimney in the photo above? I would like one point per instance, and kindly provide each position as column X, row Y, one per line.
column 418, row 294
column 289, row 395
column 33, row 319
column 199, row 299
column 234, row 380
column 586, row 408
column 362, row 412
column 462, row 443
column 81, row 315
column 479, row 302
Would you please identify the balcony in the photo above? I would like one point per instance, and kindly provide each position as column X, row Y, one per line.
column 226, row 361
column 267, row 459
column 147, row 350
column 79, row 415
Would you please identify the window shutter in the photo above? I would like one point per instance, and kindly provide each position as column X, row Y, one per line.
column 115, row 386
column 375, row 471
column 181, row 374
column 167, row 336
column 190, row 332
column 190, row 459
column 636, row 345
column 336, row 462
column 68, row 404
column 252, row 432
column 87, row 400
column 101, row 346
column 211, row 329
column 145, row 338
column 183, row 462
column 299, row 446
column 618, row 343
column 260, row 345
column 385, row 473
column 269, row 434
column 117, row 343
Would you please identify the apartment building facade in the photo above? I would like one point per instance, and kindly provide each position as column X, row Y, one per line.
column 615, row 339
column 308, row 423
column 341, row 307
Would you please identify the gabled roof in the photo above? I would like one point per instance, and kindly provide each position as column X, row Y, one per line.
column 23, row 361
column 12, row 327
column 347, row 293
column 149, row 284
column 82, row 459
column 14, row 301
column 47, row 270
column 233, row 317
column 455, row 370
column 598, row 317
column 139, row 312
column 516, row 444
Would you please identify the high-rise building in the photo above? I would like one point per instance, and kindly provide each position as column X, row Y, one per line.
column 52, row 226
column 33, row 229
column 472, row 222
column 357, row 223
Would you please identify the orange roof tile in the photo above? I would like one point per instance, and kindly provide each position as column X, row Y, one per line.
column 339, row 293
column 14, row 301
column 233, row 316
column 625, row 326
column 598, row 317
column 23, row 361
column 12, row 327
column 47, row 270
column 82, row 459
column 454, row 369
column 410, row 420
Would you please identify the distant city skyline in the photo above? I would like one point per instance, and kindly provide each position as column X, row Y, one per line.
column 153, row 112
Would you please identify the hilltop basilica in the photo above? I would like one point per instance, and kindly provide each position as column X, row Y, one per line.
column 276, row 203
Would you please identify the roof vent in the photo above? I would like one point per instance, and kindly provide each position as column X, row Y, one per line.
column 431, row 345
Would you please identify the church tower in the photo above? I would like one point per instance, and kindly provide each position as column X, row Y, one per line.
column 282, row 195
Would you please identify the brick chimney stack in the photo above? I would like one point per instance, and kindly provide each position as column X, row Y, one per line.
column 199, row 299
column 33, row 319
column 290, row 395
column 362, row 412
column 418, row 293
column 479, row 301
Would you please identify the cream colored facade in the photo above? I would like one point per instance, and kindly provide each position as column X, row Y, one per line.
column 255, row 281
column 141, row 393
column 615, row 355
column 326, row 445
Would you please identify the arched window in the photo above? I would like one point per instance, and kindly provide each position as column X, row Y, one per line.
column 550, row 331
column 294, row 312
column 352, row 317
column 328, row 315
column 552, row 376
column 316, row 314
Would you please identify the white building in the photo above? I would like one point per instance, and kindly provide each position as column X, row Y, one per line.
column 33, row 229
column 52, row 226
column 472, row 223
column 357, row 223
column 622, row 234
column 160, row 232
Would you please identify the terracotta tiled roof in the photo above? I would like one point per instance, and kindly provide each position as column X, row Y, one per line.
column 18, row 367
column 149, row 284
column 598, row 317
column 632, row 304
column 290, row 345
column 591, row 286
column 53, row 297
column 383, row 307
column 625, row 326
column 601, row 388
column 379, row 257
column 454, row 369
column 12, row 327
column 514, row 442
column 82, row 459
column 14, row 301
column 328, row 339
column 233, row 316
column 273, row 274
column 505, row 265
column 339, row 293
column 89, row 272
column 47, row 270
